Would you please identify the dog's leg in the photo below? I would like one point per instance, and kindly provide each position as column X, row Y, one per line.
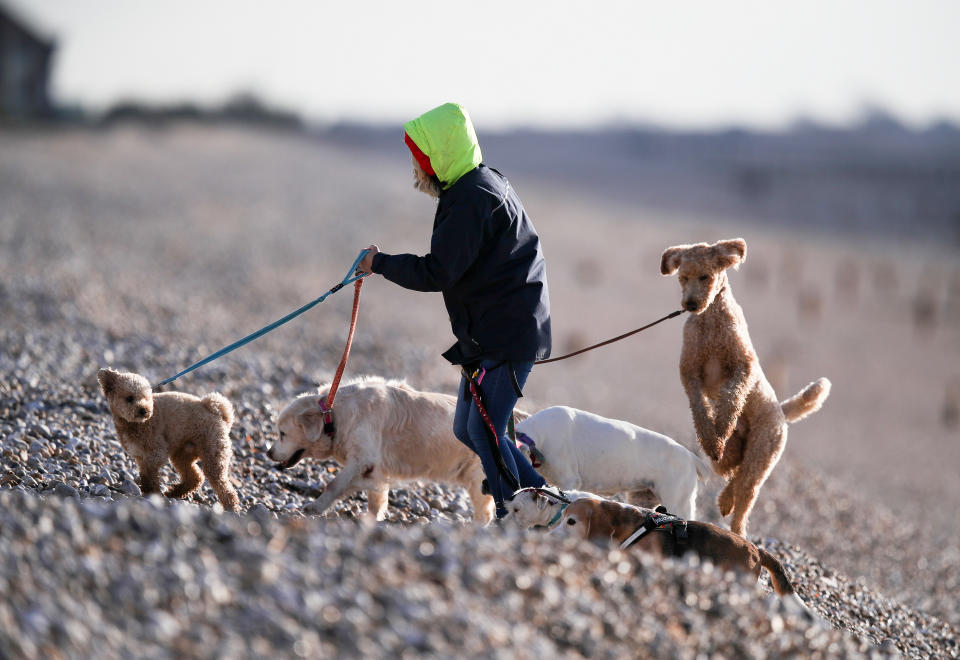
column 733, row 450
column 725, row 500
column 483, row 507
column 216, row 466
column 345, row 483
column 762, row 453
column 149, row 475
column 190, row 476
column 377, row 498
column 729, row 404
column 706, row 431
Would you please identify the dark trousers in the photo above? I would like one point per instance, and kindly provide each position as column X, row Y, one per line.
column 470, row 428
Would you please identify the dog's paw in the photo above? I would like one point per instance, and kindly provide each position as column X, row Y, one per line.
column 712, row 449
column 314, row 508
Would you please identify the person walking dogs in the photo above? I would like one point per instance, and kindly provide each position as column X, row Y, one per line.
column 485, row 257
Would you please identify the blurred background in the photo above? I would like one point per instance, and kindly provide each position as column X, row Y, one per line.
column 175, row 175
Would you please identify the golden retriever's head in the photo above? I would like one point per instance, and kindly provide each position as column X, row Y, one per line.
column 702, row 269
column 301, row 433
column 129, row 395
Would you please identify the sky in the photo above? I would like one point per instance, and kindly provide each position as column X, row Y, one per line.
column 684, row 65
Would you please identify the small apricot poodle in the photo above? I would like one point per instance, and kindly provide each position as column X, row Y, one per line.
column 181, row 427
column 740, row 424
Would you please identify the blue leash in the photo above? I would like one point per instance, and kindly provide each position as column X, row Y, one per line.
column 351, row 277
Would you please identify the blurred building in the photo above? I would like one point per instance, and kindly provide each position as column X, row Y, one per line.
column 25, row 59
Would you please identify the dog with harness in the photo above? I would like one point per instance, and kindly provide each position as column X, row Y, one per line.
column 665, row 535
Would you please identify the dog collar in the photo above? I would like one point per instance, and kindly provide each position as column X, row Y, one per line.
column 556, row 518
column 328, row 427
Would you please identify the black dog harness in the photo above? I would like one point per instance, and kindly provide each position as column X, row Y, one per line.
column 660, row 521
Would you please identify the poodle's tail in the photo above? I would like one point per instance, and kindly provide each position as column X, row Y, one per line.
column 778, row 578
column 807, row 401
column 219, row 405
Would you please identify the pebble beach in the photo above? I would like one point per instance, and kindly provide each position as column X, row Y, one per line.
column 145, row 251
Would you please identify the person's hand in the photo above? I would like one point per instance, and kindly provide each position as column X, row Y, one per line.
column 366, row 264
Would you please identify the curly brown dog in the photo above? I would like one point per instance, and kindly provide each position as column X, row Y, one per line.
column 609, row 521
column 153, row 427
column 739, row 422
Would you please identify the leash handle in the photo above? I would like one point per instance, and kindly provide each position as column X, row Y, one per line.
column 351, row 276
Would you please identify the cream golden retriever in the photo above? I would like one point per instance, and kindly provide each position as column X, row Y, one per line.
column 385, row 432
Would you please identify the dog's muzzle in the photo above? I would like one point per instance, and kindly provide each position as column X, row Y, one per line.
column 293, row 460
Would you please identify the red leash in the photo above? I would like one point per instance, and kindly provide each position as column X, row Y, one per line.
column 326, row 407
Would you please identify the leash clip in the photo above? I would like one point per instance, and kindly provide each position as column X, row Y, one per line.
column 328, row 427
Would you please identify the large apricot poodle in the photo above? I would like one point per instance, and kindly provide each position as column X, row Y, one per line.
column 740, row 424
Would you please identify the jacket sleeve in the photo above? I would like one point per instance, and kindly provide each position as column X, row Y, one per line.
column 454, row 247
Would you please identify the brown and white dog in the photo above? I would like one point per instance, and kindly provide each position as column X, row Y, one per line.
column 607, row 521
column 741, row 425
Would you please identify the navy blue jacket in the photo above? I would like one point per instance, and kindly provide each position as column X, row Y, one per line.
column 485, row 257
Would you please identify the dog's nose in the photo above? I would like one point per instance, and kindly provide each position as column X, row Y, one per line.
column 142, row 411
column 690, row 305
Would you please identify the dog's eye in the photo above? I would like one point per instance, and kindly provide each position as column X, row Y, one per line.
column 129, row 399
column 282, row 434
column 704, row 278
column 571, row 521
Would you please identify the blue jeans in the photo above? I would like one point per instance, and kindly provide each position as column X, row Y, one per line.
column 471, row 430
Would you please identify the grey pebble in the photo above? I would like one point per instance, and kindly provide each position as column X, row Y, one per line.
column 128, row 487
column 100, row 490
column 64, row 490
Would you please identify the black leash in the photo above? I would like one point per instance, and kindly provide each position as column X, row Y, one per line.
column 476, row 376
column 610, row 341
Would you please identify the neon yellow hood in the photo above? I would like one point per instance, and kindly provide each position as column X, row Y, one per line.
column 445, row 134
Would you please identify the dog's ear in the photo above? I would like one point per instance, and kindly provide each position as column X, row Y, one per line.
column 589, row 521
column 541, row 502
column 670, row 259
column 730, row 253
column 310, row 422
column 108, row 379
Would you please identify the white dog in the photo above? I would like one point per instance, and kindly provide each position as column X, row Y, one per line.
column 530, row 507
column 607, row 456
column 385, row 431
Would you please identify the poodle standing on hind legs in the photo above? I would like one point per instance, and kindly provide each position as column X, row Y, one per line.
column 740, row 424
